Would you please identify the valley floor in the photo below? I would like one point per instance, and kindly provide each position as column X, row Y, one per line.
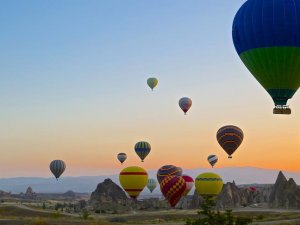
column 19, row 214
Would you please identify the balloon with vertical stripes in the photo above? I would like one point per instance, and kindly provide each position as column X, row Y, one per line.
column 57, row 167
column 142, row 149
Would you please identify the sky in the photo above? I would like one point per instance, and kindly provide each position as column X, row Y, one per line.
column 73, row 87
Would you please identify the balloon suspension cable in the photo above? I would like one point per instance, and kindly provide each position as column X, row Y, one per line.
column 282, row 109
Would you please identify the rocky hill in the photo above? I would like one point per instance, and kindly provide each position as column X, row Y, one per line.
column 285, row 193
column 108, row 196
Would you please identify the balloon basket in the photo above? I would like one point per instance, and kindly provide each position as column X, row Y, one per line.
column 284, row 110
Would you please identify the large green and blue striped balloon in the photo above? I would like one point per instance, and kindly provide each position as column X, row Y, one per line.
column 266, row 36
column 142, row 149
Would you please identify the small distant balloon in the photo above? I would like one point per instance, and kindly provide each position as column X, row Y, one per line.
column 230, row 137
column 57, row 167
column 185, row 104
column 142, row 149
column 152, row 82
column 122, row 157
column 212, row 159
column 151, row 185
column 252, row 189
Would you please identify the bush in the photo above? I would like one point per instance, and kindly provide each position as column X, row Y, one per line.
column 260, row 217
column 85, row 214
column 209, row 216
column 56, row 215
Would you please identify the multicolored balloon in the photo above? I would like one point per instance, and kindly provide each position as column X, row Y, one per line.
column 189, row 184
column 151, row 185
column 142, row 149
column 133, row 179
column 57, row 167
column 266, row 36
column 212, row 159
column 122, row 157
column 185, row 104
column 173, row 188
column 230, row 137
column 168, row 170
column 152, row 82
column 208, row 184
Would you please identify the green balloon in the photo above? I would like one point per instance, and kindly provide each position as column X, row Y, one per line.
column 152, row 82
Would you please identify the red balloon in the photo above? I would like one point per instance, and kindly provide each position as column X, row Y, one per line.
column 173, row 188
column 189, row 183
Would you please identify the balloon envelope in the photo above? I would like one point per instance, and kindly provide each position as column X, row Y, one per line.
column 212, row 159
column 185, row 104
column 173, row 188
column 168, row 170
column 122, row 157
column 230, row 137
column 266, row 36
column 133, row 179
column 151, row 185
column 57, row 167
column 208, row 184
column 189, row 183
column 152, row 82
column 142, row 149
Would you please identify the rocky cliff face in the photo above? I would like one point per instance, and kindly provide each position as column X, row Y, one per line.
column 285, row 193
column 108, row 196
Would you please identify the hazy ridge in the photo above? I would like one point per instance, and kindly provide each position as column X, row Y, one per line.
column 87, row 184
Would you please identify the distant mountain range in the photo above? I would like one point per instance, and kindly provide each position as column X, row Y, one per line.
column 87, row 184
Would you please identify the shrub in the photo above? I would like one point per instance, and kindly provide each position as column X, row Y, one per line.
column 85, row 214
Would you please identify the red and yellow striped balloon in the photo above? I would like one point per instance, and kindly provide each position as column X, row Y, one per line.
column 133, row 179
column 173, row 188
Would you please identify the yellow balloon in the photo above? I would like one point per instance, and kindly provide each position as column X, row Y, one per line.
column 208, row 184
column 133, row 179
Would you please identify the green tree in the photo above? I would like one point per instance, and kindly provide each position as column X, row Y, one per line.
column 209, row 216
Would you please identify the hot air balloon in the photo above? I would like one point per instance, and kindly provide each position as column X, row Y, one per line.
column 133, row 179
column 266, row 36
column 208, row 184
column 122, row 157
column 185, row 104
column 189, row 184
column 173, row 188
column 151, row 185
column 152, row 82
column 252, row 189
column 142, row 149
column 168, row 170
column 57, row 167
column 212, row 159
column 230, row 137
